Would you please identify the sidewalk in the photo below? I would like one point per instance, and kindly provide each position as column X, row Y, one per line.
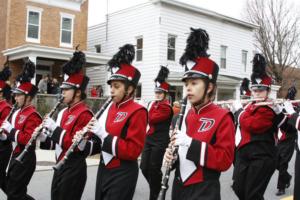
column 45, row 160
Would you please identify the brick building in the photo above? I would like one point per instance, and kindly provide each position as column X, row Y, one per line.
column 46, row 31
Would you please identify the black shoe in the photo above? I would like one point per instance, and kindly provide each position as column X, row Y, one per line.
column 280, row 192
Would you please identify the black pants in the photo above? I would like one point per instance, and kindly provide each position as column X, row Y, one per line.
column 297, row 177
column 117, row 183
column 285, row 150
column 151, row 163
column 68, row 182
column 19, row 176
column 5, row 152
column 252, row 173
column 207, row 190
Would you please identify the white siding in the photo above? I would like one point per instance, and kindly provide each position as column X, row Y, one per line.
column 154, row 22
column 178, row 21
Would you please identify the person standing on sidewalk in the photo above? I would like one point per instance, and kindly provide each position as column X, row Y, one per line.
column 19, row 130
column 159, row 118
column 68, row 183
column 5, row 108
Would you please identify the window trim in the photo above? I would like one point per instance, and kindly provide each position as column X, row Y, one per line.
column 171, row 36
column 223, row 47
column 244, row 64
column 36, row 10
column 142, row 49
column 69, row 16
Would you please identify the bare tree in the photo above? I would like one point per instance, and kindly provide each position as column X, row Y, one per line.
column 277, row 35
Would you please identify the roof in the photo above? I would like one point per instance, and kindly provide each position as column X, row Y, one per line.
column 53, row 53
column 206, row 12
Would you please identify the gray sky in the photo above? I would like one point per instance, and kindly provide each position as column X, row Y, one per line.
column 232, row 8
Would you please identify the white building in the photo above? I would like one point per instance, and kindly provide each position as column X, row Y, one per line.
column 159, row 29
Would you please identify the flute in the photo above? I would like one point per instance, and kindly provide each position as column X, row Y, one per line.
column 276, row 101
column 38, row 130
column 243, row 101
column 71, row 149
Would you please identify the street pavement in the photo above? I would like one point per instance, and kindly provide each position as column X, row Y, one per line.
column 40, row 185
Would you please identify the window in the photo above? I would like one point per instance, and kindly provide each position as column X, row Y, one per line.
column 139, row 49
column 66, row 30
column 223, row 57
column 98, row 48
column 171, row 47
column 244, row 59
column 33, row 24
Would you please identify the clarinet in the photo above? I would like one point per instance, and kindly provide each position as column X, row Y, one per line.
column 9, row 116
column 38, row 130
column 71, row 149
column 165, row 180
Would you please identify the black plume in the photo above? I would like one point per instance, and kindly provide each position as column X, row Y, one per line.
column 5, row 74
column 197, row 45
column 292, row 91
column 259, row 66
column 75, row 64
column 28, row 72
column 162, row 74
column 125, row 55
column 244, row 85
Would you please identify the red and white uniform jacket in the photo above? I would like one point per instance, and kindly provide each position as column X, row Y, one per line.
column 212, row 148
column 5, row 109
column 24, row 121
column 126, row 124
column 159, row 118
column 69, row 121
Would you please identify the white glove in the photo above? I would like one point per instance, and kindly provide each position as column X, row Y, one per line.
column 42, row 136
column 3, row 137
column 182, row 139
column 50, row 124
column 289, row 107
column 236, row 105
column 77, row 137
column 7, row 126
column 98, row 130
column 277, row 108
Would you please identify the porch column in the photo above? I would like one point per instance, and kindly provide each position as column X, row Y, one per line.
column 237, row 93
column 33, row 59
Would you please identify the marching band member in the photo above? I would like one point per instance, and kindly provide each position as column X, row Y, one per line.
column 5, row 108
column 122, row 130
column 285, row 149
column 294, row 120
column 19, row 130
column 160, row 116
column 255, row 154
column 69, row 182
column 206, row 139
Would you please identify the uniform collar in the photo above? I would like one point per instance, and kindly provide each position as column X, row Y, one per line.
column 75, row 106
column 203, row 108
column 26, row 107
column 2, row 101
column 124, row 103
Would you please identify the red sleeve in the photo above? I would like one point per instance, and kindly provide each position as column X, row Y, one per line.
column 33, row 121
column 131, row 147
column 4, row 114
column 161, row 114
column 257, row 122
column 82, row 121
column 218, row 156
